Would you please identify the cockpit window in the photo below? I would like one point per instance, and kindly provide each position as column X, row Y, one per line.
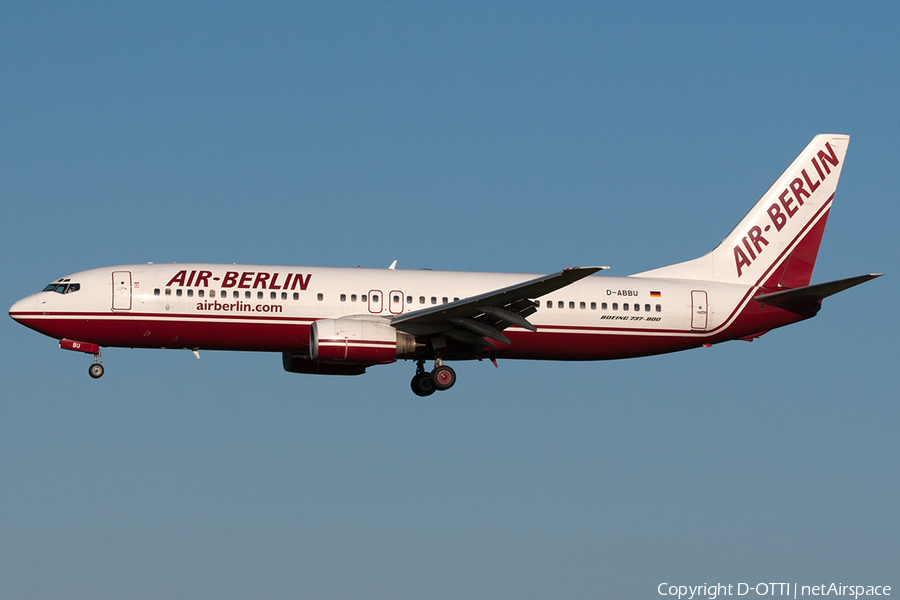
column 62, row 288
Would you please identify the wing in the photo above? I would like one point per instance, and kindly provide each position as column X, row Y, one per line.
column 470, row 320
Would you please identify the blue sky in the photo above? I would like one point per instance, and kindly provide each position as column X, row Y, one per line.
column 500, row 137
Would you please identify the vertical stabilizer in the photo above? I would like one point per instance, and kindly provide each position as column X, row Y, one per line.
column 776, row 243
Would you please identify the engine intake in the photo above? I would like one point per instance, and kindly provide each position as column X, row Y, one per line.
column 359, row 342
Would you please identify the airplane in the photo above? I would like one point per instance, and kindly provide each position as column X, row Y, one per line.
column 341, row 321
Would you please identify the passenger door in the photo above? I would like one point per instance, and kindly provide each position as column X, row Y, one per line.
column 700, row 310
column 121, row 299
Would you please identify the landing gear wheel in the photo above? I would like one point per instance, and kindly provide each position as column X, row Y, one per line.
column 443, row 378
column 96, row 370
column 421, row 384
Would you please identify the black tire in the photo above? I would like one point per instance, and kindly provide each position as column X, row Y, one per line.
column 96, row 370
column 421, row 384
column 443, row 378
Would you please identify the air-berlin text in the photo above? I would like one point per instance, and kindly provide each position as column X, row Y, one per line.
column 244, row 280
column 790, row 199
column 239, row 307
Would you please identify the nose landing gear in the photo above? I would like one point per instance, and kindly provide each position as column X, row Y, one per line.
column 96, row 369
column 439, row 379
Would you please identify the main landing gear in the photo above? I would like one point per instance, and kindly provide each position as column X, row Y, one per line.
column 439, row 379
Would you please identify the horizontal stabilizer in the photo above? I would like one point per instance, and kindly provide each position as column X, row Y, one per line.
column 814, row 293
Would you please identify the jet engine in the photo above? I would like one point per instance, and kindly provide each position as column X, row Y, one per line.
column 357, row 341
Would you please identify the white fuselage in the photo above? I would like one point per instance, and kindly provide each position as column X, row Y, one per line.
column 270, row 308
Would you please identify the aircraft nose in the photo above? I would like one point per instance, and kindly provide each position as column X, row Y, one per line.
column 20, row 309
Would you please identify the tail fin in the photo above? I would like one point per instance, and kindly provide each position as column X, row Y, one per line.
column 776, row 243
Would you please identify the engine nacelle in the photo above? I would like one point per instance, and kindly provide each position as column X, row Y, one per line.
column 358, row 341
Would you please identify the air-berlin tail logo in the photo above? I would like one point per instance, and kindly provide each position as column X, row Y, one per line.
column 789, row 202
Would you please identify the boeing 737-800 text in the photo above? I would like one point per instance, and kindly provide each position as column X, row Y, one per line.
column 334, row 321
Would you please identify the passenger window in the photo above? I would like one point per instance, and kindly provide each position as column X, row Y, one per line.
column 561, row 304
column 156, row 292
column 637, row 307
column 409, row 299
column 272, row 295
column 456, row 299
column 421, row 299
column 571, row 305
column 247, row 295
column 201, row 293
column 593, row 306
column 178, row 292
column 284, row 295
column 646, row 308
column 615, row 306
column 320, row 297
column 582, row 305
column 235, row 294
column 296, row 295
column 190, row 293
column 659, row 308
column 603, row 306
column 343, row 297
column 363, row 298
column 434, row 299
column 259, row 295
column 444, row 300
column 549, row 304
column 352, row 297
